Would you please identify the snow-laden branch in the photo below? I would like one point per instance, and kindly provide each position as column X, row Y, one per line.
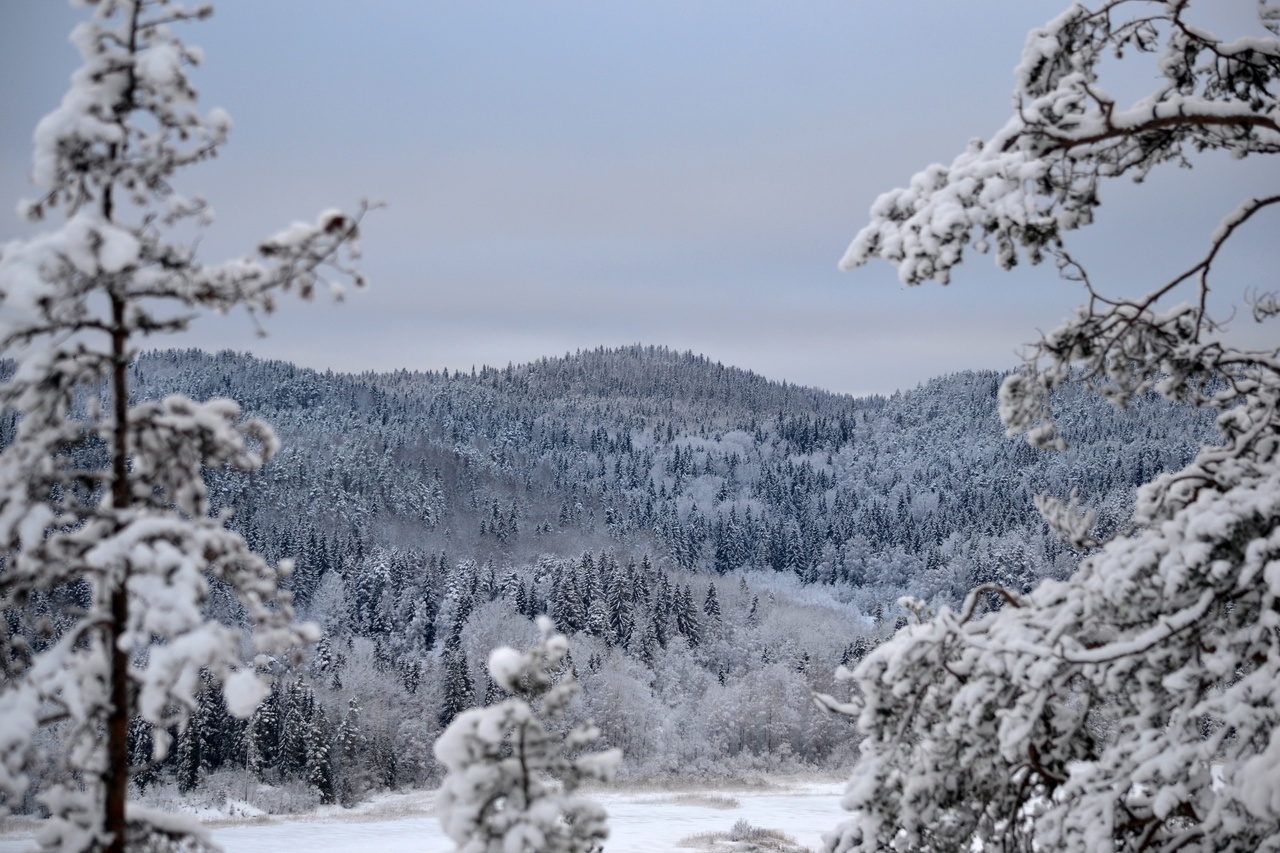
column 1133, row 706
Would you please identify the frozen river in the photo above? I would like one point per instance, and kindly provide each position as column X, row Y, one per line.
column 640, row 822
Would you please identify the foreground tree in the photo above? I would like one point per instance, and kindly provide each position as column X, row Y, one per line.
column 512, row 774
column 108, row 546
column 1135, row 706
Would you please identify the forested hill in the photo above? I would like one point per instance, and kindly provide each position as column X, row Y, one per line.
column 643, row 449
column 713, row 543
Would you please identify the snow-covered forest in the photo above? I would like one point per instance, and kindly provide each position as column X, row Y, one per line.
column 715, row 544
column 713, row 575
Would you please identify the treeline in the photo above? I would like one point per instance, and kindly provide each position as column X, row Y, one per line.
column 687, row 674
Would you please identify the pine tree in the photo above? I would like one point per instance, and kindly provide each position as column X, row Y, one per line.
column 1130, row 706
column 129, row 522
column 512, row 776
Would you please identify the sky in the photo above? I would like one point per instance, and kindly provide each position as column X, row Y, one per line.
column 568, row 174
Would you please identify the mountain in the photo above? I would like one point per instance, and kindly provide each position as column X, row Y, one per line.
column 705, row 467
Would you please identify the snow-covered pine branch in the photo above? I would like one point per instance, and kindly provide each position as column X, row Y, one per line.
column 1133, row 706
column 108, row 545
column 512, row 775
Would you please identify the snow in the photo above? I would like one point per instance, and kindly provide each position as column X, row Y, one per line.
column 243, row 692
column 647, row 821
column 504, row 666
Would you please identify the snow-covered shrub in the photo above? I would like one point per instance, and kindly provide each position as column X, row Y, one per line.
column 513, row 775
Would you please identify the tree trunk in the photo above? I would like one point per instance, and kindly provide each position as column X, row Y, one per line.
column 115, row 776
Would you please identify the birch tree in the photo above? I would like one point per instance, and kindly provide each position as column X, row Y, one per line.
column 109, row 546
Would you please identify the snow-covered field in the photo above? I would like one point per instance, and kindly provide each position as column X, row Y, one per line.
column 641, row 821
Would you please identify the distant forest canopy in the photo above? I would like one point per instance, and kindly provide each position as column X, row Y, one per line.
column 714, row 544
column 643, row 450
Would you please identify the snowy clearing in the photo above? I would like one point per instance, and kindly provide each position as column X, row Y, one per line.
column 641, row 821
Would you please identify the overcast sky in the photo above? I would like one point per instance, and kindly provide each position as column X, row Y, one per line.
column 562, row 175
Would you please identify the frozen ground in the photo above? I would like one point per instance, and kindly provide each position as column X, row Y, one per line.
column 643, row 820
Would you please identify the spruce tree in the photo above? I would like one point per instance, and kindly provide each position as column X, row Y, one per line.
column 711, row 606
column 141, row 753
column 263, row 751
column 459, row 689
column 297, row 710
column 186, row 758
column 619, row 607
column 686, row 615
column 319, row 767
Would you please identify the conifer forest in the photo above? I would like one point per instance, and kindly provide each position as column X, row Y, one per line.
column 549, row 605
column 714, row 544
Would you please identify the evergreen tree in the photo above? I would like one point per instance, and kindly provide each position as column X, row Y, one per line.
column 187, row 758
column 350, row 744
column 1131, row 705
column 512, row 776
column 319, row 769
column 350, row 739
column 619, row 607
column 411, row 676
column 566, row 601
column 263, row 734
column 141, row 753
column 297, row 711
column 598, row 619
column 211, row 725
column 459, row 690
column 686, row 615
column 711, row 606
column 129, row 522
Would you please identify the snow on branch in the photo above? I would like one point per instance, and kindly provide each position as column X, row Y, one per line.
column 1038, row 177
column 512, row 774
column 1132, row 706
